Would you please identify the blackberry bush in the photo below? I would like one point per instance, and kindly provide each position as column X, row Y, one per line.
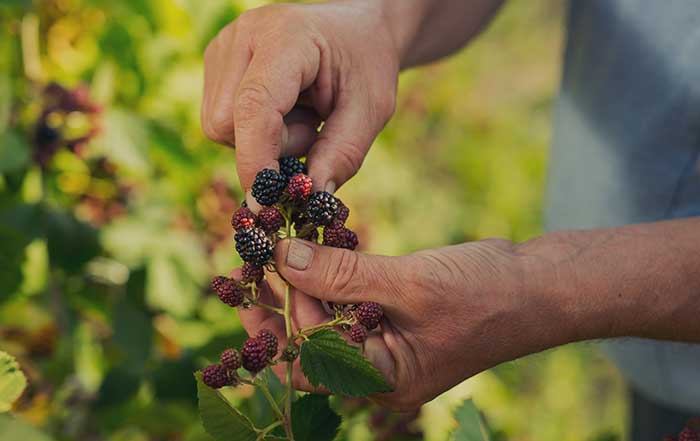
column 291, row 210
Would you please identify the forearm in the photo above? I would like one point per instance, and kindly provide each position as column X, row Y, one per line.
column 637, row 280
column 425, row 30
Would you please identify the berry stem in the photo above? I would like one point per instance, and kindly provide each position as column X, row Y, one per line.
column 288, row 330
column 274, row 309
column 266, row 430
column 306, row 331
column 266, row 391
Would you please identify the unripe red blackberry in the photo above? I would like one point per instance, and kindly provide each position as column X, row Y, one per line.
column 215, row 376
column 290, row 353
column 270, row 219
column 254, row 355
column 299, row 186
column 290, row 166
column 358, row 333
column 242, row 218
column 228, row 290
column 254, row 246
column 231, row 359
column 251, row 273
column 321, row 208
column 268, row 186
column 687, row 434
column 337, row 236
column 266, row 336
column 343, row 212
column 369, row 314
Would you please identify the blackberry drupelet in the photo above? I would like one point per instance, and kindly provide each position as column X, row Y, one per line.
column 266, row 336
column 254, row 355
column 290, row 166
column 251, row 273
column 270, row 219
column 268, row 186
column 253, row 246
column 215, row 376
column 321, row 208
column 231, row 359
column 369, row 314
column 242, row 218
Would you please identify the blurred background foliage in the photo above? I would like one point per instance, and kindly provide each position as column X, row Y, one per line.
column 114, row 213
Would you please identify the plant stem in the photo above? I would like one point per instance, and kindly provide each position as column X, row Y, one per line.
column 269, row 308
column 271, row 399
column 288, row 330
column 305, row 331
column 266, row 430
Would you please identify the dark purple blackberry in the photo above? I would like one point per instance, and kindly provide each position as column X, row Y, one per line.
column 215, row 376
column 321, row 208
column 270, row 219
column 290, row 166
column 242, row 218
column 351, row 240
column 337, row 236
column 343, row 212
column 369, row 314
column 268, row 186
column 253, row 246
column 251, row 273
column 231, row 359
column 290, row 353
column 228, row 291
column 254, row 355
column 358, row 333
column 266, row 336
column 299, row 186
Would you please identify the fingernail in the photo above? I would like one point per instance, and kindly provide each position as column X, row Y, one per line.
column 252, row 203
column 299, row 255
column 330, row 187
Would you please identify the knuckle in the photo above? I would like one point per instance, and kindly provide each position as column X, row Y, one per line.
column 251, row 100
column 343, row 273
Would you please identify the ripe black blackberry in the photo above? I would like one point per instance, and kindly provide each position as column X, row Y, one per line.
column 228, row 291
column 253, row 246
column 290, row 166
column 251, row 273
column 242, row 218
column 321, row 208
column 358, row 333
column 290, row 353
column 254, row 355
column 215, row 376
column 270, row 219
column 266, row 336
column 369, row 314
column 230, row 359
column 268, row 186
column 299, row 186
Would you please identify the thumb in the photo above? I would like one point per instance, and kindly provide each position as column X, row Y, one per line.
column 335, row 274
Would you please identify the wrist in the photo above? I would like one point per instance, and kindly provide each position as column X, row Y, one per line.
column 403, row 20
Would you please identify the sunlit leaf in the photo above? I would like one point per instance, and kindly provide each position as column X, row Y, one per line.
column 470, row 427
column 220, row 419
column 12, row 381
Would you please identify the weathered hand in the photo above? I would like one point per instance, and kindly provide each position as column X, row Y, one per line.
column 449, row 313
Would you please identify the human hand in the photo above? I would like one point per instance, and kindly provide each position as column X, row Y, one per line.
column 448, row 313
column 276, row 72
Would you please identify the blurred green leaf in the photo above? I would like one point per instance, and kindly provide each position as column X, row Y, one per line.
column 14, row 151
column 119, row 386
column 328, row 360
column 133, row 335
column 12, row 254
column 172, row 380
column 471, row 426
column 14, row 429
column 12, row 381
column 71, row 243
column 219, row 418
column 313, row 419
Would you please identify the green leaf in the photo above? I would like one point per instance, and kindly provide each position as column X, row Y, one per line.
column 329, row 360
column 12, row 246
column 12, row 381
column 471, row 426
column 220, row 420
column 14, row 429
column 71, row 242
column 14, row 152
column 313, row 419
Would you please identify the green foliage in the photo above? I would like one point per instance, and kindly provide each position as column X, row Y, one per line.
column 12, row 381
column 221, row 420
column 471, row 426
column 328, row 360
column 314, row 420
column 13, row 429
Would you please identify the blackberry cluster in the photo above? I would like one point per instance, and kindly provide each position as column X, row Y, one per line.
column 253, row 246
column 254, row 355
column 321, row 208
column 242, row 218
column 290, row 166
column 228, row 291
column 268, row 187
column 270, row 219
column 270, row 340
column 369, row 314
column 251, row 273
